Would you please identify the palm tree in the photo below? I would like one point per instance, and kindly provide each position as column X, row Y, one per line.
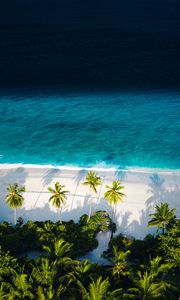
column 46, row 277
column 114, row 195
column 146, row 288
column 162, row 217
column 59, row 196
column 158, row 269
column 120, row 265
column 80, row 272
column 97, row 289
column 4, row 294
column 100, row 290
column 14, row 198
column 44, row 272
column 82, row 268
column 46, row 232
column 58, row 250
column 19, row 288
column 50, row 293
column 153, row 283
column 92, row 181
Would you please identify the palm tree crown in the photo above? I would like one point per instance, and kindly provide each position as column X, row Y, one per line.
column 14, row 198
column 113, row 195
column 97, row 289
column 45, row 232
column 146, row 287
column 120, row 262
column 59, row 196
column 92, row 180
column 162, row 216
column 58, row 249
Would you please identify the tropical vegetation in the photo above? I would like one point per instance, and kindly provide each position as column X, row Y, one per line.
column 162, row 217
column 145, row 269
column 59, row 196
column 92, row 181
column 114, row 196
column 135, row 269
column 14, row 198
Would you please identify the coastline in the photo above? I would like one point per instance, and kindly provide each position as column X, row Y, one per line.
column 144, row 188
column 97, row 168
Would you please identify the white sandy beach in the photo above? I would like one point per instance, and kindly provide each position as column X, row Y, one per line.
column 144, row 189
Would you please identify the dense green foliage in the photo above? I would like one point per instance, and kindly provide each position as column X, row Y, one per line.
column 136, row 269
column 162, row 217
column 34, row 235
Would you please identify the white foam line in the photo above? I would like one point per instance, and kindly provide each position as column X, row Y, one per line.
column 95, row 168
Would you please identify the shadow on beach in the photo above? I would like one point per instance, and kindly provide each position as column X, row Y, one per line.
column 159, row 193
column 10, row 176
column 129, row 222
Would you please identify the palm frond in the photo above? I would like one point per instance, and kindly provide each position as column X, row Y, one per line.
column 92, row 180
column 113, row 194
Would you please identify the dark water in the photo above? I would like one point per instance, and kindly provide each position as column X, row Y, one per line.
column 39, row 56
column 99, row 83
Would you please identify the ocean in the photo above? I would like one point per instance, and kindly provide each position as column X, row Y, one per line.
column 89, row 98
column 105, row 129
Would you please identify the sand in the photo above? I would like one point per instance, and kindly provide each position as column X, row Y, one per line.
column 144, row 188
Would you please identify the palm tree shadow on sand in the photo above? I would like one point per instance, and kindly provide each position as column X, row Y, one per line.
column 78, row 179
column 46, row 212
column 49, row 176
column 123, row 226
column 121, row 174
column 159, row 193
column 74, row 213
column 157, row 189
column 46, row 180
column 40, row 214
column 139, row 228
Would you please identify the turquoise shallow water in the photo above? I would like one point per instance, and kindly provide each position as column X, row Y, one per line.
column 86, row 129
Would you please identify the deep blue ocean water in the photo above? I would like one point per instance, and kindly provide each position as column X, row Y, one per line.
column 90, row 97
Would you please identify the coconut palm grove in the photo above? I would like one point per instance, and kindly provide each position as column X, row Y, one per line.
column 136, row 269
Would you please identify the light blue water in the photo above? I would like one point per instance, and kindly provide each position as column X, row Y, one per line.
column 115, row 129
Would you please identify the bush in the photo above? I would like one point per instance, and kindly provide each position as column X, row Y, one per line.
column 99, row 221
column 121, row 242
column 33, row 235
column 142, row 250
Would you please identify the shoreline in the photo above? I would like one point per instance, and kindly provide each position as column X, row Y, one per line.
column 144, row 188
column 96, row 168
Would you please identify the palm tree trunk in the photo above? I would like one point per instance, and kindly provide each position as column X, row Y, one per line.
column 73, row 198
column 59, row 215
column 15, row 216
column 163, row 229
column 112, row 221
column 90, row 209
column 90, row 206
